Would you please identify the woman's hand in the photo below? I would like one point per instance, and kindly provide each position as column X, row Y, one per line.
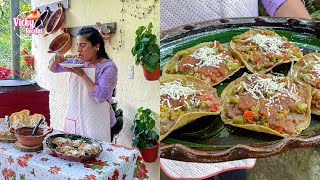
column 58, row 57
column 80, row 72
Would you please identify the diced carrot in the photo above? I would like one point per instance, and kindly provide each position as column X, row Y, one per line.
column 286, row 56
column 248, row 115
column 315, row 96
column 278, row 128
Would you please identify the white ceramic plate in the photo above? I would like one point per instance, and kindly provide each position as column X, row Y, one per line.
column 71, row 65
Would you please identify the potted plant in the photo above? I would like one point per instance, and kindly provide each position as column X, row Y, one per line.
column 147, row 52
column 28, row 59
column 144, row 137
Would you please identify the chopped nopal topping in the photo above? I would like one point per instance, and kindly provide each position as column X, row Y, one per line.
column 270, row 44
column 208, row 57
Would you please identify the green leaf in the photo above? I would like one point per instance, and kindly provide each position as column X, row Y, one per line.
column 133, row 51
column 154, row 48
column 140, row 30
column 145, row 40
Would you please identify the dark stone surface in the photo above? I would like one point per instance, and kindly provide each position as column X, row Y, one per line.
column 295, row 164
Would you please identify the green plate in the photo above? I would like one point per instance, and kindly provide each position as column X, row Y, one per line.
column 208, row 139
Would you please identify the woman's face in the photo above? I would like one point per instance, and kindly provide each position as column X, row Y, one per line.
column 86, row 51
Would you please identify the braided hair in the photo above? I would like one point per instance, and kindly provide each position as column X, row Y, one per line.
column 93, row 35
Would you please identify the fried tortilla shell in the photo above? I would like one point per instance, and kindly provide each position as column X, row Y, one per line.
column 265, row 103
column 261, row 50
column 315, row 102
column 211, row 62
column 307, row 69
column 184, row 99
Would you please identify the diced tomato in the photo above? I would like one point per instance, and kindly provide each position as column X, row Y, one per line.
column 213, row 78
column 221, row 72
column 286, row 44
column 286, row 56
column 278, row 128
column 202, row 98
column 248, row 115
column 214, row 107
column 318, row 86
column 210, row 98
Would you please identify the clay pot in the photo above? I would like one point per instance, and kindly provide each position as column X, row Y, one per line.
column 55, row 21
column 28, row 60
column 61, row 43
column 23, row 135
column 43, row 19
column 149, row 154
column 151, row 76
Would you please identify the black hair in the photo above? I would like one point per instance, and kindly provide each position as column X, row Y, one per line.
column 93, row 35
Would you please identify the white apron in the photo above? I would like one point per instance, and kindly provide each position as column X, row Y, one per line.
column 85, row 116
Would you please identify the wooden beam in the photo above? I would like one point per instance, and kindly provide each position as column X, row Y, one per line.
column 15, row 40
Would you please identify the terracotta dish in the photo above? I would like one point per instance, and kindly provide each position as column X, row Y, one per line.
column 24, row 135
column 55, row 21
column 61, row 43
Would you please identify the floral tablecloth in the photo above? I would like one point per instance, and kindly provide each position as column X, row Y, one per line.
column 115, row 162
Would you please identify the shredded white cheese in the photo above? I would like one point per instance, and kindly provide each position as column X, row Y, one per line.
column 270, row 44
column 208, row 57
column 275, row 88
column 175, row 90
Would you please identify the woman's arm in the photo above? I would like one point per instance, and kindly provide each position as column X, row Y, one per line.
column 292, row 8
column 286, row 8
column 107, row 81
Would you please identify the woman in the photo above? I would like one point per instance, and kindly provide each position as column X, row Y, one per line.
column 176, row 13
column 89, row 111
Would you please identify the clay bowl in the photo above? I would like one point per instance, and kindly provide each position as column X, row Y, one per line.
column 23, row 135
column 61, row 44
column 55, row 21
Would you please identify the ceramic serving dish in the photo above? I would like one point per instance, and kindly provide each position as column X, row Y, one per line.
column 82, row 158
column 208, row 139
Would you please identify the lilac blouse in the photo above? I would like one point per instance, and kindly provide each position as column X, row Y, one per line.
column 106, row 80
column 272, row 5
